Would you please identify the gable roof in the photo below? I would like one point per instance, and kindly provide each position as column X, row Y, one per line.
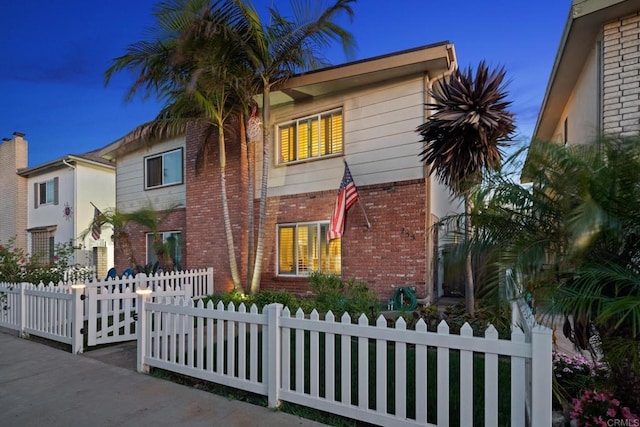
column 433, row 59
column 90, row 157
column 584, row 24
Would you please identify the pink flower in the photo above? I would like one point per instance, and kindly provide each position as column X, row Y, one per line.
column 611, row 412
column 615, row 402
column 55, row 257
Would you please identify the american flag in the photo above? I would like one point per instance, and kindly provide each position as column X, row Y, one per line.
column 347, row 196
column 97, row 225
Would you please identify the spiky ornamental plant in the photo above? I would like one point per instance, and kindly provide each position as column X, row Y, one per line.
column 469, row 125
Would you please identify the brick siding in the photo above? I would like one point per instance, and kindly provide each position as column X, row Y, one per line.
column 621, row 76
column 389, row 254
column 175, row 221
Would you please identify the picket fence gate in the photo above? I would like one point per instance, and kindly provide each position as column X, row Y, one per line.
column 59, row 312
column 327, row 364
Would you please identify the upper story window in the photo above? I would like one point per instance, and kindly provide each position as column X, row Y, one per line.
column 303, row 248
column 46, row 192
column 163, row 169
column 310, row 137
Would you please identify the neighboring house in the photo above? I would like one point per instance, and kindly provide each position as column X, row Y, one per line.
column 366, row 113
column 51, row 203
column 594, row 88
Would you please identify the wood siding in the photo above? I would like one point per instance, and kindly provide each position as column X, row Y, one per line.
column 380, row 141
column 130, row 191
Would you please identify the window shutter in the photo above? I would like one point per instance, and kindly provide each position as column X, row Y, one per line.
column 55, row 190
column 36, row 193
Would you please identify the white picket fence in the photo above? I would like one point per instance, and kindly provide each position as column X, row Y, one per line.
column 53, row 312
column 348, row 369
column 58, row 312
column 523, row 317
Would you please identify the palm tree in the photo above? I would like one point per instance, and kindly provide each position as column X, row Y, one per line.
column 198, row 77
column 277, row 51
column 146, row 216
column 118, row 220
column 212, row 56
column 464, row 135
column 574, row 240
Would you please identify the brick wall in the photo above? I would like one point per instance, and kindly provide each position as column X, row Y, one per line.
column 207, row 244
column 389, row 254
column 621, row 69
column 13, row 191
column 175, row 221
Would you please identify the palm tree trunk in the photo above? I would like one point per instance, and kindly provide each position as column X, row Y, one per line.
column 125, row 246
column 468, row 266
column 250, row 147
column 266, row 143
column 233, row 265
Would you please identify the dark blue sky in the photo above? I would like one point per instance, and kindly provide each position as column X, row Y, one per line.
column 55, row 53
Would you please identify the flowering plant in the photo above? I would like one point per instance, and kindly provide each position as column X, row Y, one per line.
column 596, row 408
column 17, row 266
column 574, row 375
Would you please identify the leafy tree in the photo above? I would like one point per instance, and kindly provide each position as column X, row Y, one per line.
column 463, row 136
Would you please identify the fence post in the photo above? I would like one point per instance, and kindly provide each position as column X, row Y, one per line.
column 209, row 281
column 143, row 297
column 23, row 311
column 272, row 370
column 541, row 373
column 77, row 318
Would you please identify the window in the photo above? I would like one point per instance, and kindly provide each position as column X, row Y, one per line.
column 172, row 242
column 42, row 244
column 303, row 248
column 46, row 192
column 163, row 169
column 310, row 137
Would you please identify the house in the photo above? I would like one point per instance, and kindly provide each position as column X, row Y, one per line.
column 594, row 87
column 364, row 113
column 53, row 203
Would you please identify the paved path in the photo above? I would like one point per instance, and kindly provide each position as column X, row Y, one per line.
column 45, row 386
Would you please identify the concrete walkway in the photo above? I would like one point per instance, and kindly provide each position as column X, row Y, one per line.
column 45, row 386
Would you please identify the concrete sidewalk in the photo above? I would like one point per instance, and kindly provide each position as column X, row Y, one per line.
column 44, row 386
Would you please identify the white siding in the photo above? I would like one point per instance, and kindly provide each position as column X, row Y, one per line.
column 95, row 185
column 582, row 106
column 51, row 214
column 380, row 142
column 130, row 191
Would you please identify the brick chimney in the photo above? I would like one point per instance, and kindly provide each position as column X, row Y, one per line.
column 13, row 190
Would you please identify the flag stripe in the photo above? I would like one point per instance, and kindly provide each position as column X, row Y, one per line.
column 96, row 228
column 347, row 196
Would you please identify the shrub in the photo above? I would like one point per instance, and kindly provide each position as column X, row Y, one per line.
column 335, row 295
column 575, row 375
column 16, row 266
column 598, row 408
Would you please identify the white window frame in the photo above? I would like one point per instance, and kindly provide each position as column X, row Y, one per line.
column 296, row 263
column 317, row 116
column 50, row 192
column 162, row 156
